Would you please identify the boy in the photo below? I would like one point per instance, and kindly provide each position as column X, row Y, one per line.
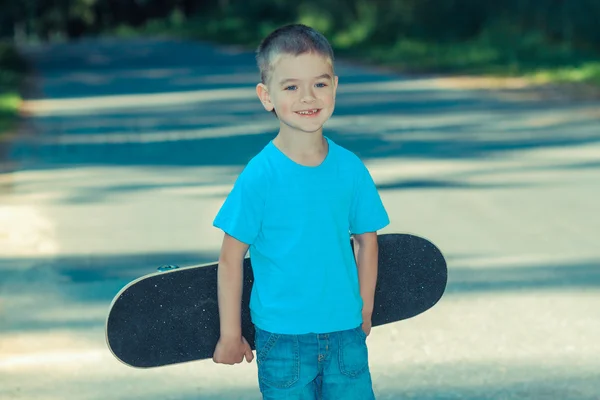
column 295, row 206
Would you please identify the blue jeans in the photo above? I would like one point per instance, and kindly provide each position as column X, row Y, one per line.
column 314, row 366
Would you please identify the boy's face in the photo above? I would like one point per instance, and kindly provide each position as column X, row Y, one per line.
column 301, row 90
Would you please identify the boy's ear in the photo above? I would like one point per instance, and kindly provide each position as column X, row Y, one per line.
column 263, row 95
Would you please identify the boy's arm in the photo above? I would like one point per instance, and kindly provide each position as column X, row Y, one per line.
column 366, row 251
column 230, row 277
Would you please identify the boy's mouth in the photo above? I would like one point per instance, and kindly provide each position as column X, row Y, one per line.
column 309, row 113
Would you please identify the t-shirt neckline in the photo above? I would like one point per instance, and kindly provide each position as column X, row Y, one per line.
column 306, row 167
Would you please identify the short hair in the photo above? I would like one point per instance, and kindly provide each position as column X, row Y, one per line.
column 292, row 39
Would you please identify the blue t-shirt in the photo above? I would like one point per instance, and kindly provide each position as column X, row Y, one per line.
column 297, row 221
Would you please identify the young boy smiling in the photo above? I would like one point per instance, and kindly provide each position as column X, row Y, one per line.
column 295, row 206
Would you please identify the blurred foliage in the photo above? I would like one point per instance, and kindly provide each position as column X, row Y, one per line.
column 558, row 39
column 12, row 69
column 9, row 106
column 570, row 22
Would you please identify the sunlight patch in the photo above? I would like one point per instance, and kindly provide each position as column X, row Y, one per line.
column 25, row 232
column 75, row 106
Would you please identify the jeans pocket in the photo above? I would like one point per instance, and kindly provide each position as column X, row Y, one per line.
column 278, row 359
column 353, row 352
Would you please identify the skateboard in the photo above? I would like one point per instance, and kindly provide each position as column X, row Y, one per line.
column 171, row 316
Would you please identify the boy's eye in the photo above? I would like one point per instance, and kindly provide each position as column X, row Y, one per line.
column 293, row 87
column 321, row 84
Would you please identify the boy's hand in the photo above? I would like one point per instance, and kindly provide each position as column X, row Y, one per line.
column 232, row 351
column 366, row 326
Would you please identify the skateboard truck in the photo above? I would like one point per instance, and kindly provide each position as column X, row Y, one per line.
column 164, row 268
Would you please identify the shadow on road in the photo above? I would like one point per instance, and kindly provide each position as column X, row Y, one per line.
column 92, row 281
column 177, row 103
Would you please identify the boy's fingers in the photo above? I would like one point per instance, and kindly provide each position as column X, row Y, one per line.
column 249, row 354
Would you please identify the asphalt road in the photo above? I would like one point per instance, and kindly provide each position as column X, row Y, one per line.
column 131, row 146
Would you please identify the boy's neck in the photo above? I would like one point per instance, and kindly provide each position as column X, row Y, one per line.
column 298, row 142
column 303, row 147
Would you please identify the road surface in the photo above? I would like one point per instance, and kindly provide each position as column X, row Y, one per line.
column 131, row 147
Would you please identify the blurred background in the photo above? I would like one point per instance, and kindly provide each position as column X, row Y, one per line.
column 124, row 124
column 514, row 36
column 545, row 40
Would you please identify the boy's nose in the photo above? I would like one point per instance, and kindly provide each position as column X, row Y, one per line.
column 308, row 97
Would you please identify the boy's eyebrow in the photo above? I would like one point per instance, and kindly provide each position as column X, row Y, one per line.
column 327, row 76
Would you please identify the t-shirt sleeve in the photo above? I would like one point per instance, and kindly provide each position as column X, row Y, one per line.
column 367, row 213
column 241, row 214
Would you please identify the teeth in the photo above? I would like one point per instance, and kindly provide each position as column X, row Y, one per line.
column 307, row 112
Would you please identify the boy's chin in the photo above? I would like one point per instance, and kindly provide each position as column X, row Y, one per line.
column 306, row 128
column 306, row 125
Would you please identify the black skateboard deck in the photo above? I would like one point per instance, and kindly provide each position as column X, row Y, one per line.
column 172, row 317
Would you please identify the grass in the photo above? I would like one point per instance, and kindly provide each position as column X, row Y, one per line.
column 12, row 70
column 497, row 52
column 588, row 73
column 9, row 106
column 538, row 63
